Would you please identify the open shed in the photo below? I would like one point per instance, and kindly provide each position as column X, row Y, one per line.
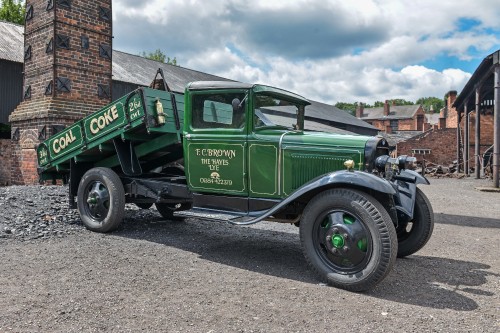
column 480, row 94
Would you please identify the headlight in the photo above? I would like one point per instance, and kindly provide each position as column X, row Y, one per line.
column 374, row 148
column 406, row 162
column 385, row 162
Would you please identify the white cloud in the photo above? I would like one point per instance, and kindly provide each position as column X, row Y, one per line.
column 330, row 51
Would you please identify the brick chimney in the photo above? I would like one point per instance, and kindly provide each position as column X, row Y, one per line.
column 451, row 97
column 387, row 108
column 67, row 74
column 359, row 110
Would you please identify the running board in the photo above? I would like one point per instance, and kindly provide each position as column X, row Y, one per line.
column 214, row 215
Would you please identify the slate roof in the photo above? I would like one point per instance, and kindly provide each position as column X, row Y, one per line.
column 11, row 41
column 326, row 111
column 136, row 69
column 394, row 138
column 396, row 112
column 308, row 124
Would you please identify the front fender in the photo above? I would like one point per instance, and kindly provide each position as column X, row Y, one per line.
column 419, row 179
column 346, row 178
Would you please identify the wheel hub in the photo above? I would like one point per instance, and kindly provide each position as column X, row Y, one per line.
column 344, row 240
column 338, row 241
column 98, row 200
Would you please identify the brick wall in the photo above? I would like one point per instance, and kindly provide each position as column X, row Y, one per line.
column 66, row 43
column 450, row 112
column 441, row 142
column 5, row 161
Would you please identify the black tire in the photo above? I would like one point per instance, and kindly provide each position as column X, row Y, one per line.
column 413, row 236
column 167, row 210
column 101, row 200
column 362, row 259
column 144, row 205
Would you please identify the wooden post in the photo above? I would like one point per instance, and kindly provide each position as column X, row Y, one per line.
column 466, row 140
column 458, row 141
column 496, row 142
column 477, row 141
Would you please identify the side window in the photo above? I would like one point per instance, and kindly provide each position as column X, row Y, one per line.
column 221, row 110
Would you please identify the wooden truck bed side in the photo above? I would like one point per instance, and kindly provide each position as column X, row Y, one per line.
column 145, row 118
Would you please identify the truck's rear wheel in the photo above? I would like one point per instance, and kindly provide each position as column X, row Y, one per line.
column 101, row 200
column 413, row 235
column 348, row 238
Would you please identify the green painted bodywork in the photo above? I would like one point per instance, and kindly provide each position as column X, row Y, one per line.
column 246, row 160
column 268, row 162
column 90, row 140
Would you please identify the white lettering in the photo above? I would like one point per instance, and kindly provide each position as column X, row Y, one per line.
column 99, row 123
column 62, row 142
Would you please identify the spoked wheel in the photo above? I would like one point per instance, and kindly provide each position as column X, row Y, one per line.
column 348, row 238
column 413, row 235
column 101, row 200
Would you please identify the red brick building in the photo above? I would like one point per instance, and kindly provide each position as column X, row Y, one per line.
column 391, row 118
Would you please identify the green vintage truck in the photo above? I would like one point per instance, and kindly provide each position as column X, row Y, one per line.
column 216, row 149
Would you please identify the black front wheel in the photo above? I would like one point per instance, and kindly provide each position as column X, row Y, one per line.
column 413, row 235
column 348, row 238
column 101, row 200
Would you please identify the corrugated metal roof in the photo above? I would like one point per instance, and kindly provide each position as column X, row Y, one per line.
column 141, row 71
column 396, row 112
column 11, row 41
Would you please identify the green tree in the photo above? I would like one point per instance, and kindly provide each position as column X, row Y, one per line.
column 12, row 11
column 347, row 107
column 158, row 55
column 428, row 102
column 400, row 101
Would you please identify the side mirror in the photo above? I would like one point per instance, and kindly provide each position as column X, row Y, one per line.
column 236, row 103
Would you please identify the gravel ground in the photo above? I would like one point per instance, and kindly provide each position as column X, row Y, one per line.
column 202, row 276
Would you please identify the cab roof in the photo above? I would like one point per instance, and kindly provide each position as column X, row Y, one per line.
column 258, row 88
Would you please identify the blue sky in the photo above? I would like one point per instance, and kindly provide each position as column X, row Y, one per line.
column 326, row 50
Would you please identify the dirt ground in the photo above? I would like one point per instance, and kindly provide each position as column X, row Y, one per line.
column 154, row 275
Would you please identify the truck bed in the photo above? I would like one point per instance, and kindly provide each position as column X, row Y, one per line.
column 134, row 119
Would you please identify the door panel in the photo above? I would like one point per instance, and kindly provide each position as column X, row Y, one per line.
column 215, row 146
column 215, row 166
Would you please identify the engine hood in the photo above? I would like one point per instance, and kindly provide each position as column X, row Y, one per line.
column 307, row 138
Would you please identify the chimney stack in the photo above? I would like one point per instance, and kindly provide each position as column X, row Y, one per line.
column 359, row 110
column 387, row 108
column 451, row 97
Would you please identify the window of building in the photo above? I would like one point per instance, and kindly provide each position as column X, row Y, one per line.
column 394, row 125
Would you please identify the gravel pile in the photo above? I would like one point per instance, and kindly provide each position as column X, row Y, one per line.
column 32, row 212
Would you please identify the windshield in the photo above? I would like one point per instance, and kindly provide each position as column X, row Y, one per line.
column 274, row 111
